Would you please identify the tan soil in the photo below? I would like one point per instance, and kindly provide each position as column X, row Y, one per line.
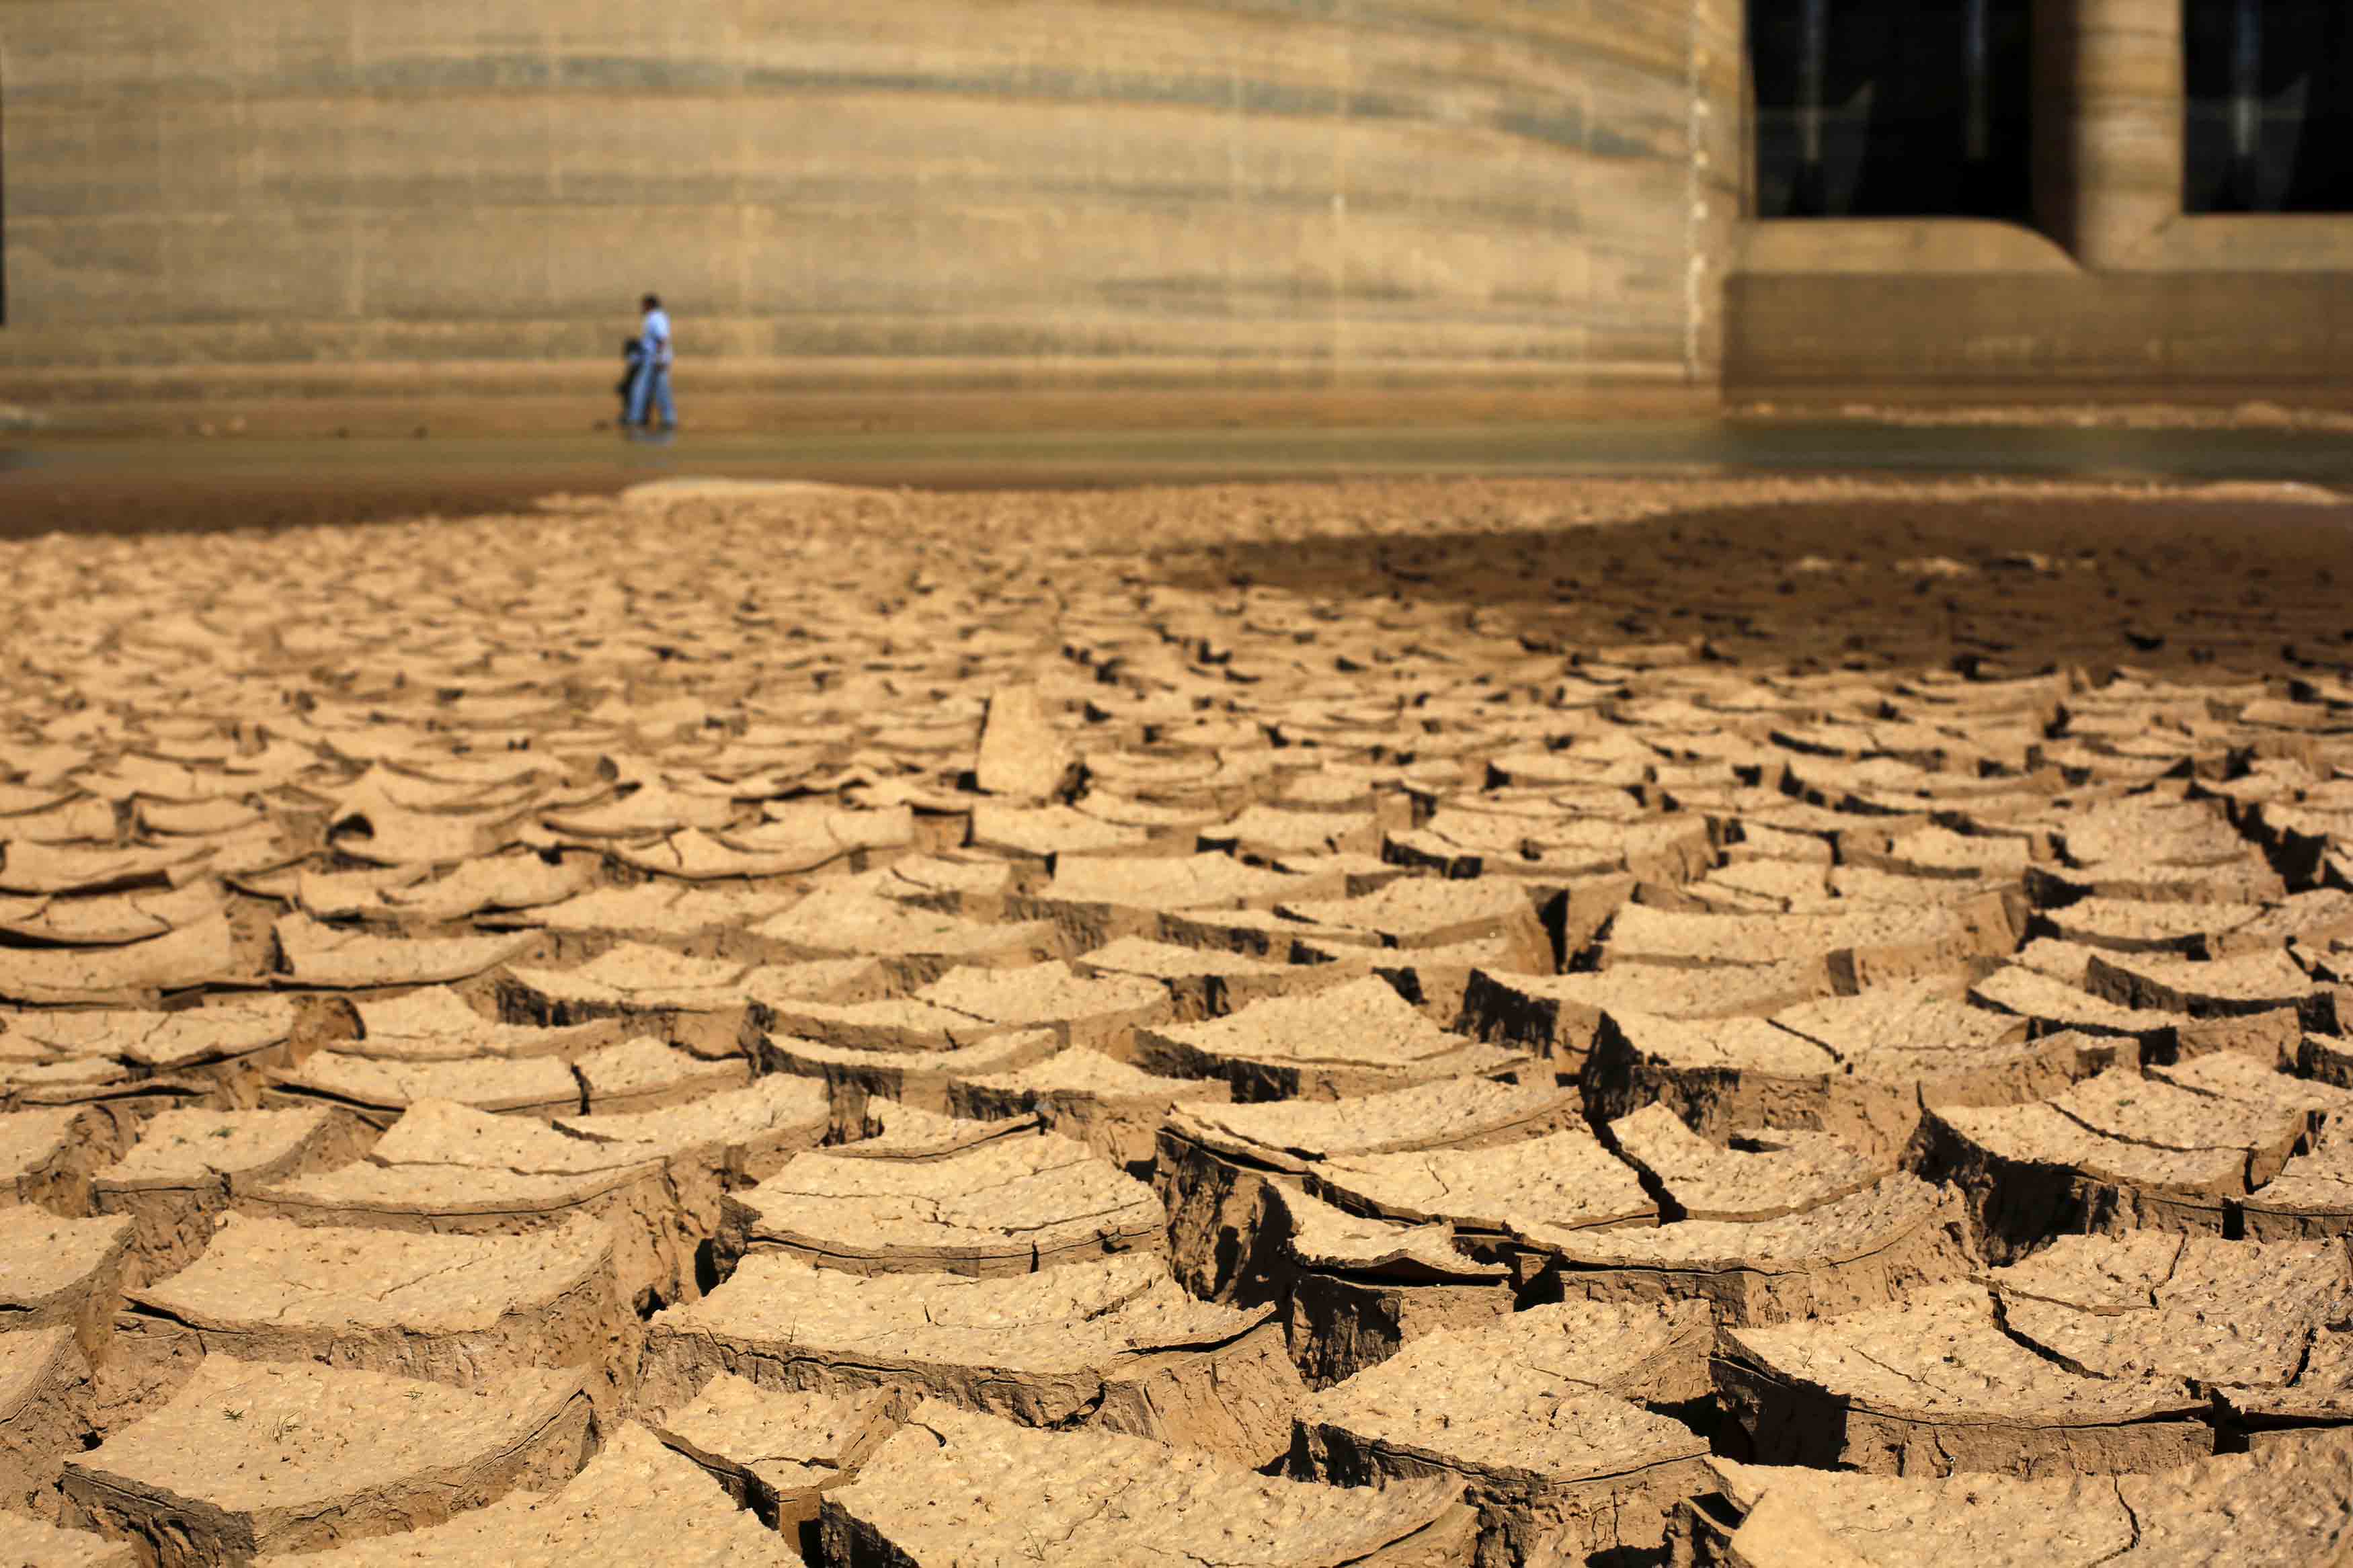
column 1757, row 1175
column 700, row 1003
column 435, row 1023
column 1355, row 1290
column 1098, row 899
column 777, row 1454
column 456, row 1310
column 378, row 1092
column 31, row 1540
column 1116, row 1110
column 919, row 1077
column 1562, row 1181
column 693, row 921
column 951, row 1485
column 2233, row 1508
column 1101, row 1012
column 190, row 1166
column 910, row 943
column 257, row 1458
column 1918, row 918
column 64, row 1271
column 893, row 1024
column 1558, row 1462
column 2196, row 1147
column 47, row 1412
column 2186, row 1306
column 1010, row 1206
column 734, row 1135
column 1874, row 1248
column 132, row 974
column 643, row 1074
column 1215, row 1162
column 1935, row 1386
column 1115, row 1346
column 47, row 1155
column 1356, row 1038
column 1561, row 1015
column 669, row 1508
column 228, row 1048
column 311, row 954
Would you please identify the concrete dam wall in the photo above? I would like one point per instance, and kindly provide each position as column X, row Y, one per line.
column 314, row 197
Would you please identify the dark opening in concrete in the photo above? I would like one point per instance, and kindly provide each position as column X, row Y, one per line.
column 2270, row 106
column 1891, row 109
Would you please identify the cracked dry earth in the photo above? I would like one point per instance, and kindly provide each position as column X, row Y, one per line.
column 1759, row 1023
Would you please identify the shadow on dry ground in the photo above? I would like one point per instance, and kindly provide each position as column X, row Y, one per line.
column 1877, row 584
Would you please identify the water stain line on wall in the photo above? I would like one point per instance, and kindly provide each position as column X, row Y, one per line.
column 1695, row 196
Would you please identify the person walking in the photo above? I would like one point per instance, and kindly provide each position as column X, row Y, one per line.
column 653, row 369
column 633, row 356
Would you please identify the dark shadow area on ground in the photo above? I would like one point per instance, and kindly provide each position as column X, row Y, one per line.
column 131, row 507
column 2177, row 585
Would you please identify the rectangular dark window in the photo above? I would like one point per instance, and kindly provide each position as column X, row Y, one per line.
column 1891, row 107
column 2270, row 106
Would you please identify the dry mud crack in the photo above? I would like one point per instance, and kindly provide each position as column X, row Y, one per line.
column 1436, row 1025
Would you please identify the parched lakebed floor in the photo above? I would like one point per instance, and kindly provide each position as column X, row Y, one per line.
column 1776, row 1022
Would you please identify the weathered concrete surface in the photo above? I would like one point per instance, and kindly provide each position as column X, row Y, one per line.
column 236, row 205
column 2113, row 286
column 1234, row 192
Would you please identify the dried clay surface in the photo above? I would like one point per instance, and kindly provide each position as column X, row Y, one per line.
column 1114, row 1345
column 1008, row 1206
column 1460, row 1023
column 2286, row 1502
column 951, row 1485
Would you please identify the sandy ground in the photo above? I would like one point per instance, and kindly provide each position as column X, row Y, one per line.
column 53, row 480
column 1480, row 1021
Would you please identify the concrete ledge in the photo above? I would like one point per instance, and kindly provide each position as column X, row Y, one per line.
column 2127, row 331
column 1901, row 246
column 2267, row 243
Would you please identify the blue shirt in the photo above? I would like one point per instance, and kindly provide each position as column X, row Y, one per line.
column 655, row 336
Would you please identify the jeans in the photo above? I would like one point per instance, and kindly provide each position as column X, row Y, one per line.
column 653, row 381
